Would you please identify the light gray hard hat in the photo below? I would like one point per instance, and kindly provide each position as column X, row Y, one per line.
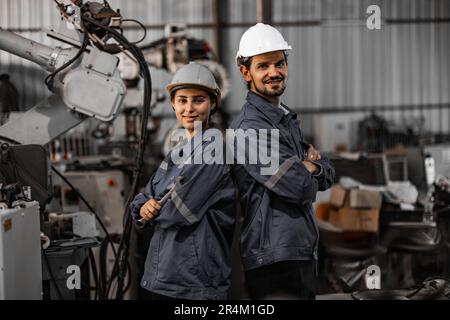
column 194, row 75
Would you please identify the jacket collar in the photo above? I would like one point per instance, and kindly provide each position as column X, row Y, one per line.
column 263, row 105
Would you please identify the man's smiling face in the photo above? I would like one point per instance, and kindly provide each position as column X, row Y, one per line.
column 267, row 74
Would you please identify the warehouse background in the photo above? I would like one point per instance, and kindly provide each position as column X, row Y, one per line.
column 339, row 70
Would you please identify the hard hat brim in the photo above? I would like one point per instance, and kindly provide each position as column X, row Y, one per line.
column 177, row 86
column 240, row 56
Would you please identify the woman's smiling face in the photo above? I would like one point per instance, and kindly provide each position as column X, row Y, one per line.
column 192, row 105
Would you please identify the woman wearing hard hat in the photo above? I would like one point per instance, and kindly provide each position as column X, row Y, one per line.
column 279, row 237
column 191, row 204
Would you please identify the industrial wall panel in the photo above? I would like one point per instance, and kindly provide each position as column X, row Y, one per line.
column 335, row 64
column 242, row 10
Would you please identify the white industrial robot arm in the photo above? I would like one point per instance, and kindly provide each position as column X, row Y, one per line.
column 90, row 86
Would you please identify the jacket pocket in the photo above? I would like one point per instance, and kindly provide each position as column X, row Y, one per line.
column 178, row 262
column 294, row 229
column 250, row 221
column 204, row 257
column 251, row 237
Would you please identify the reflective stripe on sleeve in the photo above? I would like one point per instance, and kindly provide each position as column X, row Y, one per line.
column 280, row 172
column 184, row 210
column 164, row 165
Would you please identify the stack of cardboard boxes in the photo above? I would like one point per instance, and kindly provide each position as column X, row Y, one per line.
column 355, row 209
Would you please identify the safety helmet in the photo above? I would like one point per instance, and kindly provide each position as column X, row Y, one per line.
column 195, row 75
column 260, row 38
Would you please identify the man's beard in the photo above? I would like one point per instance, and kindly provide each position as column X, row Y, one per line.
column 274, row 92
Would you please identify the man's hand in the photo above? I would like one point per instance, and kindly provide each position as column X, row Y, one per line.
column 312, row 154
column 311, row 167
column 150, row 209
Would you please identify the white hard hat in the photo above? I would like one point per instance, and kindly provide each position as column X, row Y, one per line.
column 260, row 38
column 197, row 76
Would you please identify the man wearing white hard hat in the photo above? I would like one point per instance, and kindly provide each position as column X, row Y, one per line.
column 279, row 237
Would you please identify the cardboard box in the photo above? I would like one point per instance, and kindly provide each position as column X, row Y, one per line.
column 354, row 198
column 365, row 199
column 337, row 196
column 355, row 210
column 349, row 219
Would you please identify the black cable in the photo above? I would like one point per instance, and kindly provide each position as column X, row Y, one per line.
column 59, row 4
column 123, row 260
column 87, row 205
column 93, row 266
column 52, row 278
column 49, row 79
column 440, row 210
column 138, row 171
column 108, row 236
column 129, row 280
column 94, row 272
column 9, row 140
column 120, row 262
column 142, row 27
column 128, row 285
column 102, row 265
column 154, row 44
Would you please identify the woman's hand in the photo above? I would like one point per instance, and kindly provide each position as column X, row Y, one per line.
column 150, row 209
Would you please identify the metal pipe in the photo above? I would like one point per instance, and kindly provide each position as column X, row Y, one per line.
column 264, row 11
column 259, row 11
column 43, row 55
column 217, row 29
column 279, row 23
column 368, row 109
